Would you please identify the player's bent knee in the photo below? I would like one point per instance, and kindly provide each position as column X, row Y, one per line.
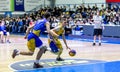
column 45, row 47
column 61, row 49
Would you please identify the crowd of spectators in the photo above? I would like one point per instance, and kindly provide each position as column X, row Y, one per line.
column 77, row 16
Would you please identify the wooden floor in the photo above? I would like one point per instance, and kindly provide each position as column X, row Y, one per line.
column 85, row 50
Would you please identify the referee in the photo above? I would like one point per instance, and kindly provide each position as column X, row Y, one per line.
column 98, row 26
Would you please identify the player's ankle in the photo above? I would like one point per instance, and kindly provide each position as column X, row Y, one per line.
column 37, row 61
column 37, row 65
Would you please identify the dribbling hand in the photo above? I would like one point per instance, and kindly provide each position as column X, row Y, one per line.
column 25, row 37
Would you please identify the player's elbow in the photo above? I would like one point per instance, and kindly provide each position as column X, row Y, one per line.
column 48, row 31
column 29, row 28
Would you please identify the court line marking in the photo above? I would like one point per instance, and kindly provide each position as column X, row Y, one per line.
column 9, row 66
column 81, row 45
column 51, row 67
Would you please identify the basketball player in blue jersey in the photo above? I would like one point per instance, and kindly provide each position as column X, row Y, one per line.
column 34, row 40
column 6, row 33
column 54, row 42
column 1, row 32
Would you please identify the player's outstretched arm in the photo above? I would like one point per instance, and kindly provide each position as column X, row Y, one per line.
column 63, row 37
column 48, row 27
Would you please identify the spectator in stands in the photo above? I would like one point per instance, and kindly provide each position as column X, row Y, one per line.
column 20, row 25
column 24, row 25
column 6, row 34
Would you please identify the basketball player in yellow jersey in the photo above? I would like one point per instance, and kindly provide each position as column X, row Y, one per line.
column 34, row 40
column 54, row 42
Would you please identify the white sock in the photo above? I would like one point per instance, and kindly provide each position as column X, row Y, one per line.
column 49, row 49
column 37, row 61
column 99, row 41
column 18, row 52
column 94, row 41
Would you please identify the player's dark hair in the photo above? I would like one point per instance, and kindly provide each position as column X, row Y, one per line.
column 63, row 18
column 47, row 15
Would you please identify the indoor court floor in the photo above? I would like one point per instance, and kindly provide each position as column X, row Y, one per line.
column 88, row 58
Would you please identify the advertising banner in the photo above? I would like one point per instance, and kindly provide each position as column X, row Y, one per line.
column 31, row 4
column 19, row 5
column 4, row 5
column 112, row 1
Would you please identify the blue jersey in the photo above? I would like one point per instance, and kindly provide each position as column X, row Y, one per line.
column 2, row 28
column 39, row 27
column 33, row 38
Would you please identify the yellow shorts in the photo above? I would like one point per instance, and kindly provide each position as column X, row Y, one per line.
column 33, row 42
column 31, row 45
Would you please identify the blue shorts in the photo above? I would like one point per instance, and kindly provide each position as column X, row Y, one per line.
column 53, row 47
column 5, row 33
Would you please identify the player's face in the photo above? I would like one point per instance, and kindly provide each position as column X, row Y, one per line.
column 48, row 19
column 64, row 23
column 98, row 13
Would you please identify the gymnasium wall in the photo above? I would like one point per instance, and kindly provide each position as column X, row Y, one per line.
column 79, row 1
column 6, row 5
column 21, row 5
column 14, row 5
column 31, row 4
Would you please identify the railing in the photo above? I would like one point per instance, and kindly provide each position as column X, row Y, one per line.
column 68, row 5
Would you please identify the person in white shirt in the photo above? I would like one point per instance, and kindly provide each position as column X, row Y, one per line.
column 98, row 26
